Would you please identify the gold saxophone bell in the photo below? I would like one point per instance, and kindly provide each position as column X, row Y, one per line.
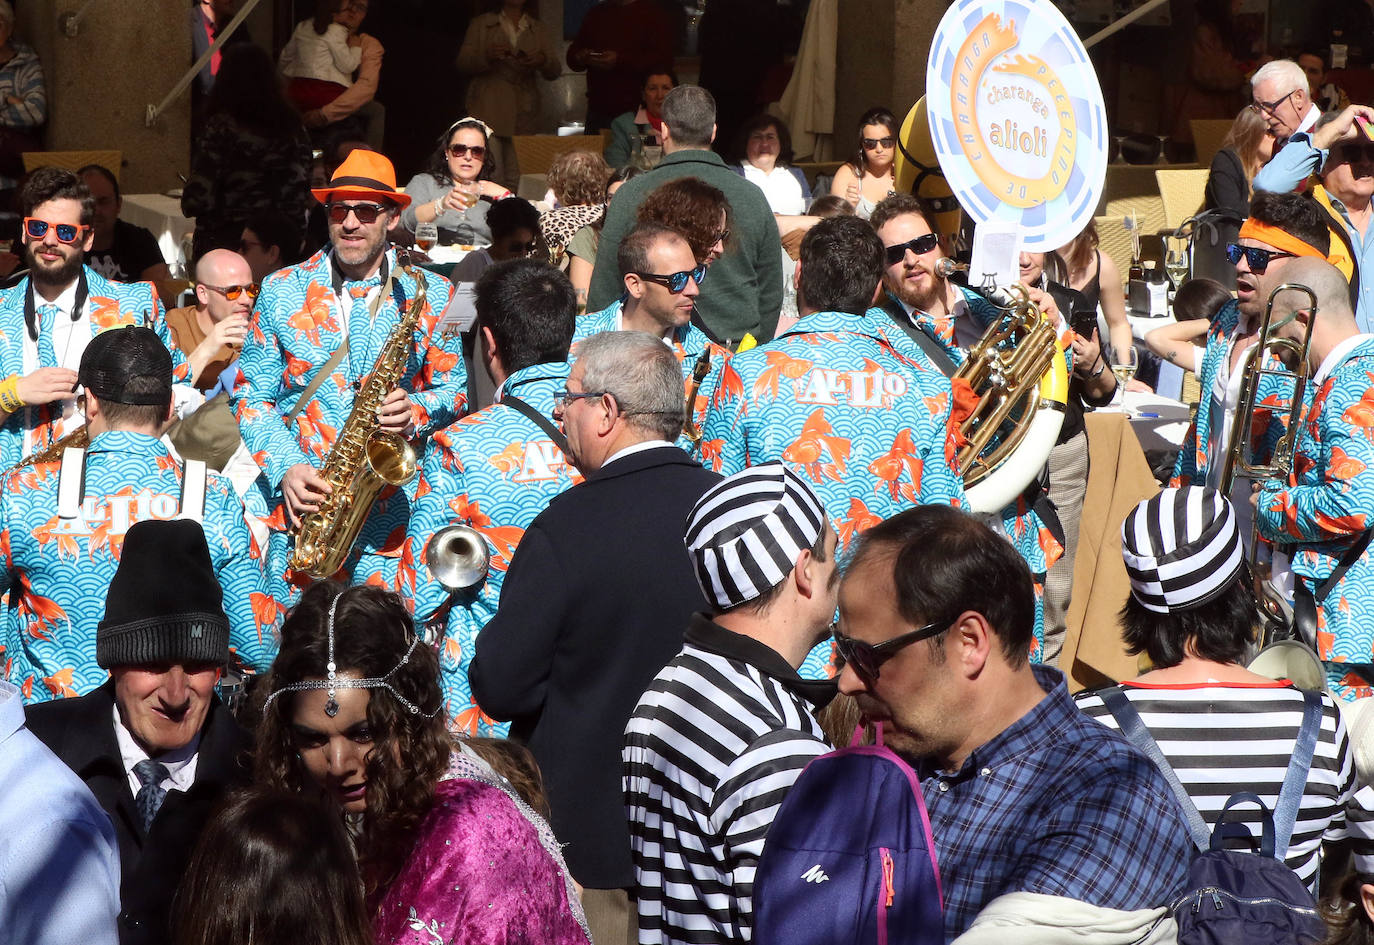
column 80, row 438
column 457, row 557
column 1274, row 612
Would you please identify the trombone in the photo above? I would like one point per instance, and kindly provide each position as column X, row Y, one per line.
column 1275, row 614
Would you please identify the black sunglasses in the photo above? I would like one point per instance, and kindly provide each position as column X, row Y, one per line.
column 460, row 150
column 920, row 246
column 871, row 144
column 676, row 281
column 1258, row 259
column 365, row 212
column 868, row 658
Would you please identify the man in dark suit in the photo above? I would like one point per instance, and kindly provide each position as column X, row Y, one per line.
column 154, row 744
column 595, row 603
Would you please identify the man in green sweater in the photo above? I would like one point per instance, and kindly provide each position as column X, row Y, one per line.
column 746, row 282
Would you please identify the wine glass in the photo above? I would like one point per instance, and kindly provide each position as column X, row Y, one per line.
column 1163, row 157
column 426, row 235
column 1176, row 260
column 1124, row 365
column 1120, row 157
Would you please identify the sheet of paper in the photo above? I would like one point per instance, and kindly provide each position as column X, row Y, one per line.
column 996, row 255
column 461, row 313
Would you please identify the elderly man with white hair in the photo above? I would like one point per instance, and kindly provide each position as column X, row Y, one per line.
column 1279, row 93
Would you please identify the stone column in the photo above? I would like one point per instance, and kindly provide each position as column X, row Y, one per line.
column 881, row 56
column 126, row 55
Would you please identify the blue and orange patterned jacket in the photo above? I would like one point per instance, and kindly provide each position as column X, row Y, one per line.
column 296, row 326
column 495, row 470
column 1326, row 503
column 688, row 343
column 867, row 426
column 57, row 572
column 1031, row 537
column 1269, row 421
column 108, row 305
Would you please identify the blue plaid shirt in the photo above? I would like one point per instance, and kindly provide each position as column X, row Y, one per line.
column 1055, row 804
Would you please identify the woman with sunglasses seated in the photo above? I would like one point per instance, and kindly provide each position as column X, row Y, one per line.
column 868, row 178
column 455, row 191
column 447, row 849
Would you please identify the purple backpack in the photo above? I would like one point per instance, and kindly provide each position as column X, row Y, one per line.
column 849, row 858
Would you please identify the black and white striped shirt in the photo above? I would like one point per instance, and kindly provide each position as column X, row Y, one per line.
column 1221, row 738
column 713, row 746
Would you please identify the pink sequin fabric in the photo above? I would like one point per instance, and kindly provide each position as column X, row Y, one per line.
column 486, row 871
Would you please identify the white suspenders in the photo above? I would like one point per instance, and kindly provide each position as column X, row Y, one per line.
column 71, row 486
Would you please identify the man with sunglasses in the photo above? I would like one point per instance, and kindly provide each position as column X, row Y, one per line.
column 1280, row 228
column 867, row 425
column 595, row 603
column 213, row 330
column 746, row 281
column 1280, row 95
column 1025, row 793
column 662, row 285
column 765, row 556
column 1341, row 153
column 935, row 321
column 315, row 335
column 50, row 316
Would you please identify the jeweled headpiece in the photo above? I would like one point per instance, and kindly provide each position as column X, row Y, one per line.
column 332, row 682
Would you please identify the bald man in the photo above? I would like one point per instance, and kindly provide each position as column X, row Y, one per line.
column 211, row 332
column 1321, row 513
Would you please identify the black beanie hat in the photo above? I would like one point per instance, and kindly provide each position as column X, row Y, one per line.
column 164, row 603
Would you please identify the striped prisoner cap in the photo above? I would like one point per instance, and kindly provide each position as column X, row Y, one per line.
column 1182, row 548
column 745, row 534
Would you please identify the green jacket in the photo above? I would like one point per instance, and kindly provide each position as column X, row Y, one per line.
column 743, row 290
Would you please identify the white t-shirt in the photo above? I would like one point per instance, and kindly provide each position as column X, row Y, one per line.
column 780, row 188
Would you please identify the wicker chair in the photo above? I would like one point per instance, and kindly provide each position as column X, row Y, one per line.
column 1182, row 193
column 73, row 160
column 535, row 153
column 1208, row 134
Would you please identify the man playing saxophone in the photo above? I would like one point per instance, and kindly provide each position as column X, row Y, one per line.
column 316, row 335
column 1323, row 511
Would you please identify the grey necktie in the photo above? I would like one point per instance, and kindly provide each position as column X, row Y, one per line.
column 150, row 776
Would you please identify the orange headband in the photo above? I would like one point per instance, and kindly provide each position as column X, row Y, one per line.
column 1279, row 239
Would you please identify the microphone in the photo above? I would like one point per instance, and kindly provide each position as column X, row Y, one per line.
column 946, row 267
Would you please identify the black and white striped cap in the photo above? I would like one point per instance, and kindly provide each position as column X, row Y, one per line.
column 1182, row 548
column 745, row 534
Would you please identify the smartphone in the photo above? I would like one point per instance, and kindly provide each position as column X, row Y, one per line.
column 1365, row 126
column 1084, row 322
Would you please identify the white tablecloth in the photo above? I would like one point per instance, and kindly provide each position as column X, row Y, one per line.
column 162, row 215
column 1160, row 423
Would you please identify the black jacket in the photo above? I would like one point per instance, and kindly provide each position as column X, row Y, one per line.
column 81, row 732
column 593, row 606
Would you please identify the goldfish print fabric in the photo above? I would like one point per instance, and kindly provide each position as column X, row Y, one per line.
column 297, row 324
column 108, row 305
column 1270, row 417
column 867, row 427
column 58, row 571
column 1327, row 502
column 495, row 471
column 688, row 343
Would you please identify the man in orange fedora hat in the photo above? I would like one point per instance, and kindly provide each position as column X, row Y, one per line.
column 316, row 333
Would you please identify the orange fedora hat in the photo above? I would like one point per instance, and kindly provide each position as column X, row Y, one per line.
column 363, row 174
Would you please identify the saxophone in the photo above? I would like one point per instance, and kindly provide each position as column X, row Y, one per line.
column 80, row 438
column 364, row 458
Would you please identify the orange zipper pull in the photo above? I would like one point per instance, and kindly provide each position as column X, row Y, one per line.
column 888, row 868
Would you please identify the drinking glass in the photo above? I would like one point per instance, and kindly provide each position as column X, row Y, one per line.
column 1124, row 365
column 1176, row 260
column 426, row 235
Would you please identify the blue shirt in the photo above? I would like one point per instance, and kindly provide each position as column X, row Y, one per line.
column 1055, row 804
column 1299, row 160
column 59, row 861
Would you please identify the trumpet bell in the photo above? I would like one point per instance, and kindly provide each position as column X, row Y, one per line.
column 457, row 557
column 1291, row 660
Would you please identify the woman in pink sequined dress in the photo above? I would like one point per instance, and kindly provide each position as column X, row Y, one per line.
column 449, row 853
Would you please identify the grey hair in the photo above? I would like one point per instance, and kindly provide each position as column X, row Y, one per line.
column 7, row 14
column 643, row 376
column 689, row 111
column 1286, row 72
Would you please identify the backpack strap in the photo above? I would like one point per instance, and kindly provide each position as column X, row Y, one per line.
column 193, row 478
column 1128, row 719
column 71, row 482
column 538, row 419
column 1294, row 782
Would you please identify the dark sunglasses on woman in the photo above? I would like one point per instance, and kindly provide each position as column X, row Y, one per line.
column 872, row 144
column 461, row 150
